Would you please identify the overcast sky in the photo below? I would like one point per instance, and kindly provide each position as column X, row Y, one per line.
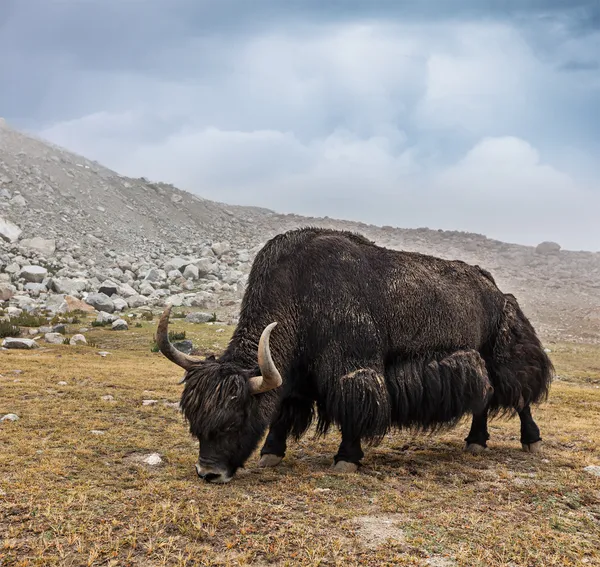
column 457, row 114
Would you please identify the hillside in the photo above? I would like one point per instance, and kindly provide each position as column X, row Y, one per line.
column 88, row 228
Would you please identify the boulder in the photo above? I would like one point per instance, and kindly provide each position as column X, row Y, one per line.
column 100, row 302
column 545, row 248
column 33, row 274
column 44, row 247
column 9, row 231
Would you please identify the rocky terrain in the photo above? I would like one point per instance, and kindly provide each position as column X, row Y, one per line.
column 76, row 235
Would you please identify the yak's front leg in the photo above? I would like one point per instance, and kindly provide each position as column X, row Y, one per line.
column 294, row 413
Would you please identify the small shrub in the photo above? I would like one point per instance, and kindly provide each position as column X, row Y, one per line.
column 7, row 329
column 99, row 323
column 213, row 318
column 179, row 315
column 28, row 320
column 147, row 316
column 154, row 347
column 66, row 341
column 138, row 325
column 175, row 336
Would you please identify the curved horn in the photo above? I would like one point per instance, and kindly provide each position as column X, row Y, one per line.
column 165, row 346
column 270, row 377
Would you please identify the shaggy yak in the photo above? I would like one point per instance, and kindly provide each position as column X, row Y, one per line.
column 375, row 338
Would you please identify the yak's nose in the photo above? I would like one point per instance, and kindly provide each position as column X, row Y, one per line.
column 212, row 475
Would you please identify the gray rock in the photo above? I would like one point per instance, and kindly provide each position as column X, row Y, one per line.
column 120, row 304
column 9, row 231
column 100, row 302
column 19, row 343
column 175, row 264
column 185, row 346
column 42, row 246
column 191, row 272
column 136, row 301
column 593, row 469
column 219, row 248
column 69, row 286
column 198, row 317
column 77, row 340
column 7, row 291
column 34, row 274
column 54, row 338
column 120, row 325
column 104, row 317
column 9, row 417
column 108, row 288
column 547, row 248
column 57, row 304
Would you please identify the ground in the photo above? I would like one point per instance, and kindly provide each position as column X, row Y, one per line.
column 74, row 489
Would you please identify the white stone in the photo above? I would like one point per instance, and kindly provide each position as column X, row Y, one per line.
column 78, row 340
column 153, row 459
column 9, row 231
column 593, row 469
column 10, row 417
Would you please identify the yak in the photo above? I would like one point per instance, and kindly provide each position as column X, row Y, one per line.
column 363, row 337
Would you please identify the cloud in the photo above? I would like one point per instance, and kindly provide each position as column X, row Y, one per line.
column 479, row 119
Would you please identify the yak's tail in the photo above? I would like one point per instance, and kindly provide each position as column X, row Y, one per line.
column 519, row 368
column 430, row 393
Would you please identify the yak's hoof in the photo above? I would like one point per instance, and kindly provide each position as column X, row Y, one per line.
column 269, row 460
column 532, row 447
column 475, row 449
column 345, row 467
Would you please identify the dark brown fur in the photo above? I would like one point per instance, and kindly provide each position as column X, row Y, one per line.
column 376, row 338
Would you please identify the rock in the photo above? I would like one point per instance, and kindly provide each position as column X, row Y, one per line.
column 120, row 325
column 9, row 231
column 103, row 353
column 9, row 417
column 108, row 398
column 148, row 402
column 175, row 264
column 69, row 286
column 120, row 304
column 78, row 340
column 97, row 432
column 593, row 469
column 59, row 328
column 219, row 248
column 185, row 346
column 104, row 317
column 547, row 247
column 108, row 288
column 74, row 304
column 44, row 247
column 198, row 317
column 101, row 302
column 57, row 304
column 136, row 301
column 153, row 459
column 19, row 343
column 54, row 338
column 146, row 288
column 7, row 291
column 191, row 272
column 61, row 383
column 34, row 274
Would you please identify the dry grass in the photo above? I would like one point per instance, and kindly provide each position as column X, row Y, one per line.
column 70, row 497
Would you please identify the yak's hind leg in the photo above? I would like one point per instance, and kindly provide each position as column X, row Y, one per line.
column 358, row 402
column 530, row 432
column 294, row 416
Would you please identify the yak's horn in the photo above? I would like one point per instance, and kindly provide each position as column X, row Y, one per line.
column 270, row 377
column 165, row 346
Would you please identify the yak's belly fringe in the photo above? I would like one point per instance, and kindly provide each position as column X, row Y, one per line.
column 358, row 403
column 433, row 392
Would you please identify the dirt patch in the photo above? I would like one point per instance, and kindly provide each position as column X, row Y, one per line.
column 374, row 531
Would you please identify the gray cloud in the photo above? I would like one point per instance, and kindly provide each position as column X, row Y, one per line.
column 471, row 115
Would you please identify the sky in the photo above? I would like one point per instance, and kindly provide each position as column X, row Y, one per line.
column 473, row 115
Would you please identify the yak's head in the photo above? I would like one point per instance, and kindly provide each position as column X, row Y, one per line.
column 228, row 407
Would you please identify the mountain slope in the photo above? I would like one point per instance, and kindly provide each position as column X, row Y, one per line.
column 100, row 216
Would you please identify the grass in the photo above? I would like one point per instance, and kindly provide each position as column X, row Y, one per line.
column 70, row 497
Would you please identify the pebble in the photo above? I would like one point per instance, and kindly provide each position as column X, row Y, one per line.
column 593, row 469
column 153, row 459
column 10, row 417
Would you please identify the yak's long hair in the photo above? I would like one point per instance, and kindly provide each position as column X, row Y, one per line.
column 519, row 368
column 426, row 393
